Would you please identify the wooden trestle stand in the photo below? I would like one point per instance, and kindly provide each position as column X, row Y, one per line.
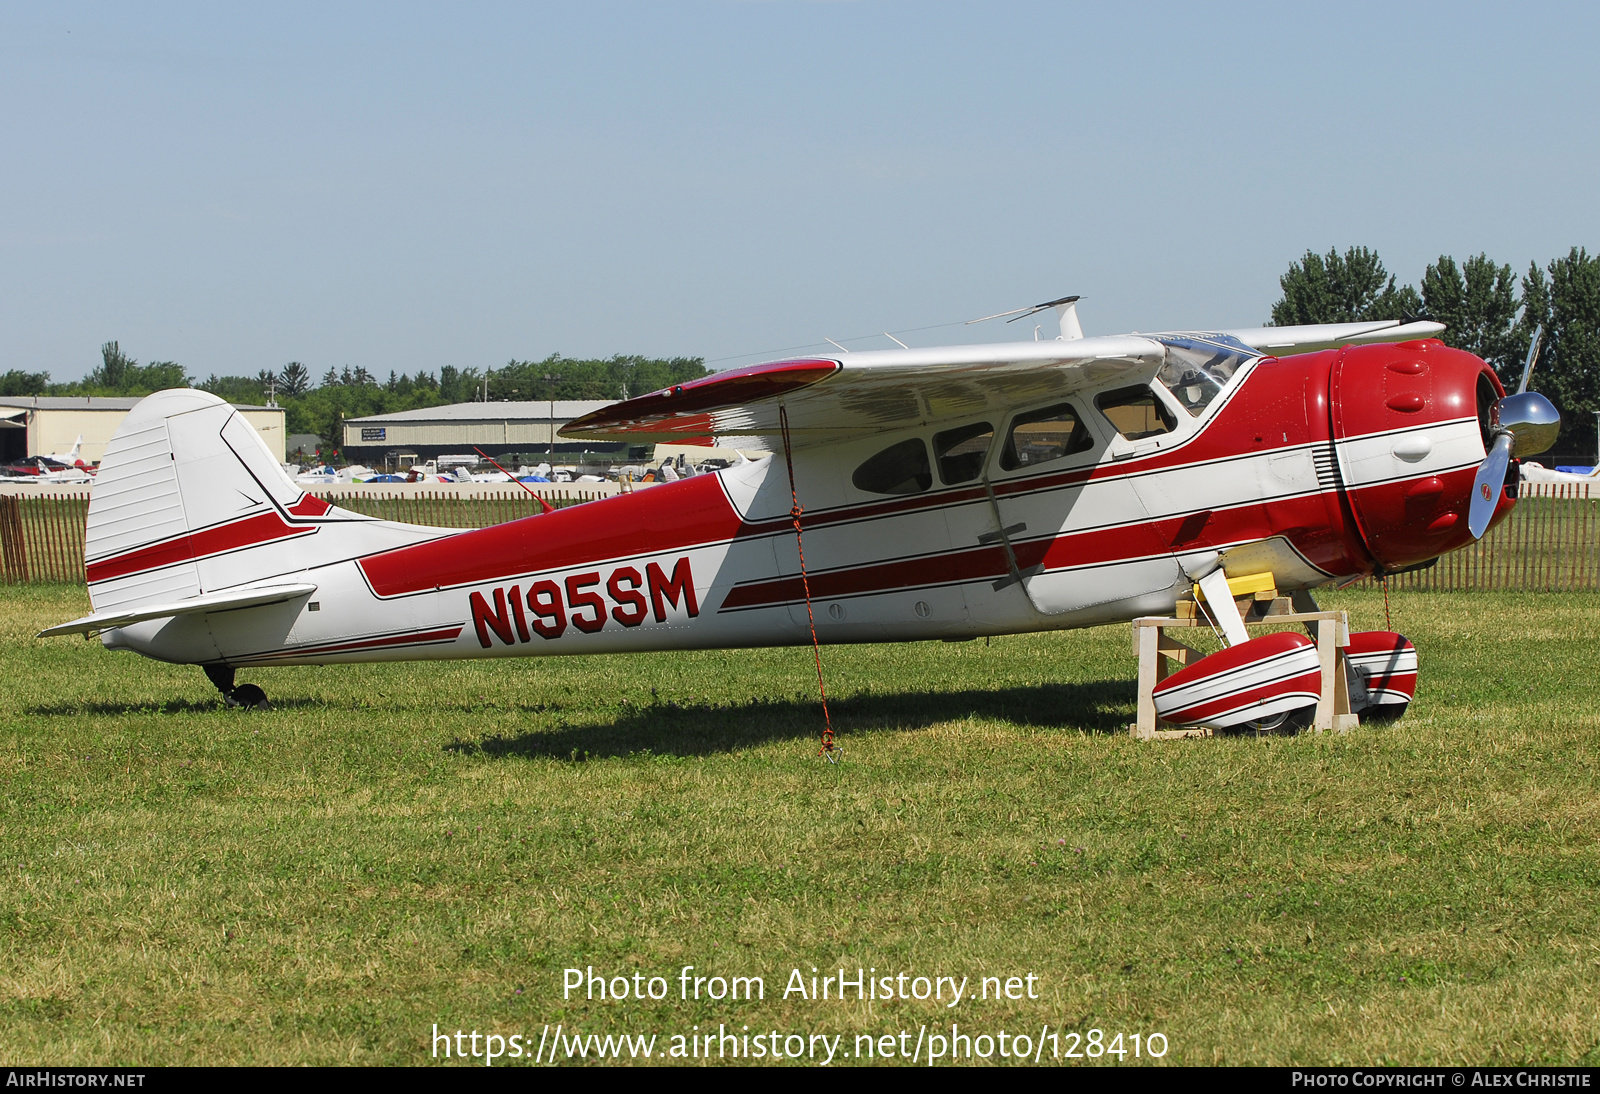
column 1259, row 605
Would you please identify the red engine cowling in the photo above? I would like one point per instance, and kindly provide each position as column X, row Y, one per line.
column 1392, row 406
column 1250, row 682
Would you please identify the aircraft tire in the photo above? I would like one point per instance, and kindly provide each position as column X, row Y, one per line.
column 248, row 697
column 1287, row 724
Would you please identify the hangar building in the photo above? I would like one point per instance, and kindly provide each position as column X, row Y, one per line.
column 499, row 429
column 46, row 425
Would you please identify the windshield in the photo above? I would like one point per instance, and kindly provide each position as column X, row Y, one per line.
column 1200, row 366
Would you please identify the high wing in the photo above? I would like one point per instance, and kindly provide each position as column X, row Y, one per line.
column 860, row 393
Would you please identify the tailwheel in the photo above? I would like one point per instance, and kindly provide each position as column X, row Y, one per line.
column 242, row 697
column 247, row 697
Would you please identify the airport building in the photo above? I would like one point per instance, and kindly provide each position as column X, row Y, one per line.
column 48, row 425
column 500, row 429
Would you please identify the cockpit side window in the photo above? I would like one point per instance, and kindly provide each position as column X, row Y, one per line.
column 1136, row 412
column 1200, row 367
column 961, row 451
column 899, row 469
column 1044, row 435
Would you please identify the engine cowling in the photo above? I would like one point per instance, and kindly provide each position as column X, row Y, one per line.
column 1397, row 409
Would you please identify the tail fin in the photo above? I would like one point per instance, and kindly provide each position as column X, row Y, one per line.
column 190, row 501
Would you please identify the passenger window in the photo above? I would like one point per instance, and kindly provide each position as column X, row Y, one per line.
column 1044, row 435
column 961, row 452
column 899, row 469
column 1136, row 413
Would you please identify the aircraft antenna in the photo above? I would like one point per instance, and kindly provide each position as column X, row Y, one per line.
column 828, row 752
column 1023, row 313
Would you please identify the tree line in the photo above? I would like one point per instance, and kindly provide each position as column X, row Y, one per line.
column 1486, row 309
column 321, row 407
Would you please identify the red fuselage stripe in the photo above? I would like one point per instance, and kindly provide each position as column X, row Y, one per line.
column 447, row 634
column 670, row 517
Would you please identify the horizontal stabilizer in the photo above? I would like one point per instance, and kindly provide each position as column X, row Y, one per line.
column 211, row 602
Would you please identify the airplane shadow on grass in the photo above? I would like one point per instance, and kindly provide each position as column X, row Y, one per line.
column 161, row 706
column 672, row 729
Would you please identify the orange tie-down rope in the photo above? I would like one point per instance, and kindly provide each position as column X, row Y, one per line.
column 828, row 751
column 544, row 506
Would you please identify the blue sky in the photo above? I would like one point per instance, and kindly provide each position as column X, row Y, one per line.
column 402, row 187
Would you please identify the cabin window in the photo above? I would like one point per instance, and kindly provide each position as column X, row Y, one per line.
column 1136, row 413
column 1044, row 435
column 899, row 469
column 961, row 452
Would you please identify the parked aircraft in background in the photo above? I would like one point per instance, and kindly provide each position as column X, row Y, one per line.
column 41, row 470
column 73, row 457
column 947, row 493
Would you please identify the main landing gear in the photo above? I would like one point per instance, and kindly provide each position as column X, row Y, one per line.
column 246, row 696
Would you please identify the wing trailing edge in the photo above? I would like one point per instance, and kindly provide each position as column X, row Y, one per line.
column 1282, row 341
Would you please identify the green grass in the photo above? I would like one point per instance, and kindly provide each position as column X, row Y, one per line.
column 399, row 846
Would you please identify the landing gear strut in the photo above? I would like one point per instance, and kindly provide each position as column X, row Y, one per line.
column 247, row 696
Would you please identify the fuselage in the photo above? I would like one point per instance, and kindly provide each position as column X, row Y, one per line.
column 1093, row 506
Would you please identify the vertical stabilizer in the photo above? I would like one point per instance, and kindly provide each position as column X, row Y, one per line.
column 189, row 501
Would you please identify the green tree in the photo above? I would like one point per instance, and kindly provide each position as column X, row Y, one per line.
column 16, row 382
column 294, row 381
column 1566, row 303
column 114, row 367
column 596, row 379
column 457, row 385
column 1477, row 302
column 235, row 389
column 1352, row 288
column 120, row 374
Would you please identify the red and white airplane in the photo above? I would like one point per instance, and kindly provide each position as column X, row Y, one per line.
column 947, row 493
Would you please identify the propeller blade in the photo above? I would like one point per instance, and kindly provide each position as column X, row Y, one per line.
column 1533, row 355
column 1486, row 487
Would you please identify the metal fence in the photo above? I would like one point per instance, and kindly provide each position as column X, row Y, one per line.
column 1548, row 543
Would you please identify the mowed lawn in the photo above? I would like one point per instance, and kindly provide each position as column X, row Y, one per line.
column 395, row 847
